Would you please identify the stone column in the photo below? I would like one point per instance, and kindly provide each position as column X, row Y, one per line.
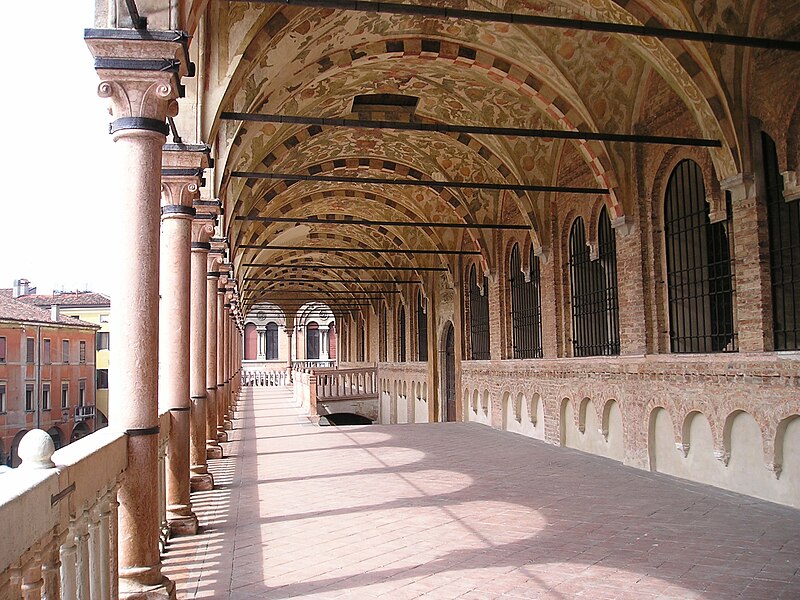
column 223, row 407
column 323, row 341
column 141, row 98
column 179, row 188
column 218, row 246
column 202, row 229
column 213, row 401
column 226, row 344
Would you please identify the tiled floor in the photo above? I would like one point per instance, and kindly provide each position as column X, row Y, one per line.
column 463, row 511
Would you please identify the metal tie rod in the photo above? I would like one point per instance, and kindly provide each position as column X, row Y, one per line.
column 382, row 223
column 558, row 134
column 362, row 250
column 301, row 266
column 541, row 21
column 514, row 187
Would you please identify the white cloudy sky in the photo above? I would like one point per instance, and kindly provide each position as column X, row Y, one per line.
column 54, row 151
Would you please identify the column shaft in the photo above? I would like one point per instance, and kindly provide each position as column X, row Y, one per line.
column 213, row 449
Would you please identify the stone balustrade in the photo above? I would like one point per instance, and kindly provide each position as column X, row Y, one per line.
column 63, row 507
column 276, row 377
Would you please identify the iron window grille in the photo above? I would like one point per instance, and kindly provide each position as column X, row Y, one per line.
column 401, row 346
column 526, row 307
column 699, row 270
column 312, row 340
column 784, row 253
column 595, row 301
column 422, row 329
column 384, row 335
column 272, row 341
column 479, row 316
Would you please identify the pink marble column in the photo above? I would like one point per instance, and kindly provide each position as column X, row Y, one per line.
column 202, row 230
column 214, row 400
column 179, row 189
column 140, row 101
column 222, row 416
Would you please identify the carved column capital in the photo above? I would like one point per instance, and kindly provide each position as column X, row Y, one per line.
column 139, row 76
column 203, row 224
column 182, row 167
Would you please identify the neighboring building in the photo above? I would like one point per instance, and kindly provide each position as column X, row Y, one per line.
column 86, row 306
column 266, row 338
column 47, row 374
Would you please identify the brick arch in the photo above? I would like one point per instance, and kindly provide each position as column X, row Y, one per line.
column 500, row 70
column 385, row 166
column 384, row 202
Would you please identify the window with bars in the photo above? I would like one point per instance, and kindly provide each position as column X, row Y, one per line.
column 526, row 307
column 312, row 340
column 401, row 335
column 422, row 329
column 784, row 252
column 362, row 345
column 272, row 341
column 383, row 354
column 595, row 302
column 699, row 270
column 479, row 316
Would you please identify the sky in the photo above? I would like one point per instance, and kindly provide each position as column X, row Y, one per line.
column 55, row 151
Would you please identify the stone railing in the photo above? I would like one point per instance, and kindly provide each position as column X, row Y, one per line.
column 342, row 384
column 308, row 364
column 305, row 393
column 58, row 513
column 403, row 392
column 273, row 377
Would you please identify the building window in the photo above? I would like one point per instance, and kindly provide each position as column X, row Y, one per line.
column 82, row 392
column 383, row 354
column 65, row 352
column 2, row 397
column 699, row 273
column 784, row 253
column 102, row 340
column 312, row 340
column 30, row 347
column 45, row 396
column 362, row 342
column 526, row 307
column 2, row 349
column 82, row 353
column 65, row 395
column 479, row 316
column 422, row 329
column 102, row 379
column 46, row 351
column 595, row 305
column 29, row 397
column 272, row 341
column 401, row 335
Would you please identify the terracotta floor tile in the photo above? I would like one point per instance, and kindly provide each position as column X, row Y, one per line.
column 460, row 510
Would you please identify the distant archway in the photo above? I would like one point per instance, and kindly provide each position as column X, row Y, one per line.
column 58, row 437
column 449, row 374
column 81, row 430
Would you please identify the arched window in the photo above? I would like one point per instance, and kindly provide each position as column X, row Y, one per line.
column 784, row 253
column 595, row 305
column 362, row 345
column 312, row 340
column 250, row 342
column 479, row 316
column 401, row 335
column 272, row 341
column 526, row 308
column 383, row 337
column 422, row 329
column 699, row 274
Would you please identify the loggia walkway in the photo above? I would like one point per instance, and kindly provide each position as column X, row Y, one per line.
column 460, row 510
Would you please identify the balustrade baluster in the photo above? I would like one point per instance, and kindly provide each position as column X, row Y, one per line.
column 82, row 543
column 95, row 566
column 69, row 566
column 113, row 544
column 104, row 543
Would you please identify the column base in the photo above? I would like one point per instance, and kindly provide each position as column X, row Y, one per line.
column 130, row 590
column 227, row 425
column 214, row 451
column 182, row 524
column 222, row 435
column 201, row 482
